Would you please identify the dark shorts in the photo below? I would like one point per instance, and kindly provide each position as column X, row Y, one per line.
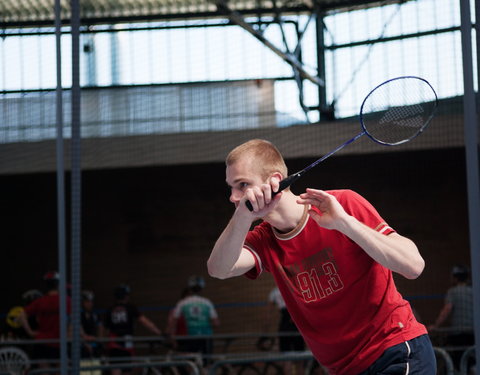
column 414, row 357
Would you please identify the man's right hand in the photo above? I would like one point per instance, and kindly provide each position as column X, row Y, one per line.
column 261, row 197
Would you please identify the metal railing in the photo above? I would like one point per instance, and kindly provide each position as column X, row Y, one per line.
column 449, row 368
column 152, row 365
column 224, row 358
column 464, row 360
column 255, row 358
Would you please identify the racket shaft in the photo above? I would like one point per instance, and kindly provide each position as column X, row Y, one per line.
column 286, row 182
column 318, row 161
column 399, row 124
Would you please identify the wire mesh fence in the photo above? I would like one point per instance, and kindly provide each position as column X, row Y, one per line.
column 162, row 103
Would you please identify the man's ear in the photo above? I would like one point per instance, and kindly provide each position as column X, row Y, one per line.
column 278, row 175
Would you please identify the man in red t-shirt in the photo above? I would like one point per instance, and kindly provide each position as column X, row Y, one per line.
column 46, row 311
column 332, row 257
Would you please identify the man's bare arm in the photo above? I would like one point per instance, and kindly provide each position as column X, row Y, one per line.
column 228, row 257
column 394, row 251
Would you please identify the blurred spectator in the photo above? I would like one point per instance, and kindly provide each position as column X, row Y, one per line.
column 46, row 311
column 200, row 318
column 14, row 328
column 92, row 327
column 286, row 325
column 177, row 327
column 458, row 307
column 120, row 323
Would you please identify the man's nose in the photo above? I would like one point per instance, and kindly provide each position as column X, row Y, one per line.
column 235, row 197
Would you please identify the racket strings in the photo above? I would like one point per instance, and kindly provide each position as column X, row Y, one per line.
column 398, row 111
column 391, row 114
column 398, row 124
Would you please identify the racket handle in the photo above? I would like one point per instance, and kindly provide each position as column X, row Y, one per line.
column 249, row 205
column 286, row 182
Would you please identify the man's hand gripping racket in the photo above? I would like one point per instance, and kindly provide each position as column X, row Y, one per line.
column 394, row 112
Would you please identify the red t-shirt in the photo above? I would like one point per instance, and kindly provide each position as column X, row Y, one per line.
column 46, row 311
column 180, row 328
column 344, row 303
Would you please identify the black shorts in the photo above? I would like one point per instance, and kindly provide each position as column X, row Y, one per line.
column 415, row 357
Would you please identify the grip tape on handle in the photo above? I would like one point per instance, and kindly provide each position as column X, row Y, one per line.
column 286, row 182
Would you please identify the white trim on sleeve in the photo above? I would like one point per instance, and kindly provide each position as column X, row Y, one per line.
column 257, row 257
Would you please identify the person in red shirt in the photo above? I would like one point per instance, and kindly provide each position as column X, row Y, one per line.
column 46, row 311
column 177, row 327
column 332, row 257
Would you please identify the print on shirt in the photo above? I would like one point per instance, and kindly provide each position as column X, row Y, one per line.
column 315, row 277
column 119, row 315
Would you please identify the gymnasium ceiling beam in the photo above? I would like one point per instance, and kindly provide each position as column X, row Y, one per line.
column 39, row 13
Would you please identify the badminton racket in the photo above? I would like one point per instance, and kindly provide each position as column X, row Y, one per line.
column 393, row 113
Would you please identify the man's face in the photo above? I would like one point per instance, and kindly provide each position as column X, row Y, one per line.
column 240, row 176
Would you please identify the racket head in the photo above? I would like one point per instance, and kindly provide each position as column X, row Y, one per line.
column 398, row 110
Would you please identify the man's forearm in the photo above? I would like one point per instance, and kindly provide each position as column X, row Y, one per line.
column 395, row 252
column 150, row 325
column 228, row 248
column 25, row 324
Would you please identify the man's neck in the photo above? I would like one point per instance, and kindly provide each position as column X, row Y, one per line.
column 287, row 214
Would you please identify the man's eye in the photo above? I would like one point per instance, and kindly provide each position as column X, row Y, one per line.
column 243, row 185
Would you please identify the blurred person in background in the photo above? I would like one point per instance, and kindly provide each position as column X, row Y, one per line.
column 200, row 318
column 457, row 310
column 46, row 312
column 176, row 326
column 14, row 328
column 92, row 327
column 285, row 326
column 119, row 324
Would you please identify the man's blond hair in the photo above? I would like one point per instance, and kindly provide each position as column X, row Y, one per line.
column 265, row 155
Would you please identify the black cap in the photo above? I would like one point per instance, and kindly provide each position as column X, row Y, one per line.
column 460, row 272
column 196, row 283
column 122, row 291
